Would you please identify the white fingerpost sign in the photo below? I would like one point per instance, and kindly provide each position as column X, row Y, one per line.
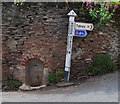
column 75, row 29
column 71, row 15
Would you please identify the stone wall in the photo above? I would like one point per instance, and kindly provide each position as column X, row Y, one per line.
column 39, row 30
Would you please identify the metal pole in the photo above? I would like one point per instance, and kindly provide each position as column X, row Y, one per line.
column 71, row 15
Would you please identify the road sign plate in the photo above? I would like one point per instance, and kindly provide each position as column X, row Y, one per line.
column 80, row 33
column 83, row 26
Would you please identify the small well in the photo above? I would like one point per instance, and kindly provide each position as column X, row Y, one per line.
column 34, row 70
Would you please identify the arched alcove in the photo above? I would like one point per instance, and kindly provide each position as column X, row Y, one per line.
column 34, row 72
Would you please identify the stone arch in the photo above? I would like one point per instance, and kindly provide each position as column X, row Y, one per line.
column 27, row 60
column 29, row 57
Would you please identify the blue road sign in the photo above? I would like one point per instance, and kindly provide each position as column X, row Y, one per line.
column 80, row 33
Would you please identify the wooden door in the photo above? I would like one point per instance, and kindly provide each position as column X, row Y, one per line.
column 34, row 72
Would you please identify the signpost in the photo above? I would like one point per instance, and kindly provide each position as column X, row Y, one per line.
column 71, row 15
column 74, row 29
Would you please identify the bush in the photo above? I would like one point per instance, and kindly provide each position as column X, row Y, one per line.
column 102, row 63
column 59, row 74
column 56, row 76
column 51, row 77
column 101, row 14
column 12, row 84
column 98, row 13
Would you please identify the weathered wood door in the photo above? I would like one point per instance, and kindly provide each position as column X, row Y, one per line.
column 34, row 72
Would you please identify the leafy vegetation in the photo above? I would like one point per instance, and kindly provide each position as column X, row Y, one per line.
column 51, row 77
column 19, row 1
column 59, row 74
column 56, row 76
column 102, row 63
column 12, row 84
column 99, row 13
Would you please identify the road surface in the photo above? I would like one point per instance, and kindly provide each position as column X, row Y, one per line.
column 98, row 89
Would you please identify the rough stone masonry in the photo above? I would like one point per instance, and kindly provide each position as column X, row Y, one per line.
column 39, row 31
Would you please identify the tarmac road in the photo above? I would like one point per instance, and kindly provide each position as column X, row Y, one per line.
column 98, row 89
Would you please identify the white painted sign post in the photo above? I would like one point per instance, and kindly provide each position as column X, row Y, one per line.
column 71, row 15
column 75, row 29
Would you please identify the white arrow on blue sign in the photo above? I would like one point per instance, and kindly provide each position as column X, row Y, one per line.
column 80, row 33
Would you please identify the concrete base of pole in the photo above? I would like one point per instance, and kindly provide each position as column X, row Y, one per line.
column 63, row 84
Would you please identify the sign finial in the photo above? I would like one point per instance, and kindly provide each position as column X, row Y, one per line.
column 72, row 13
